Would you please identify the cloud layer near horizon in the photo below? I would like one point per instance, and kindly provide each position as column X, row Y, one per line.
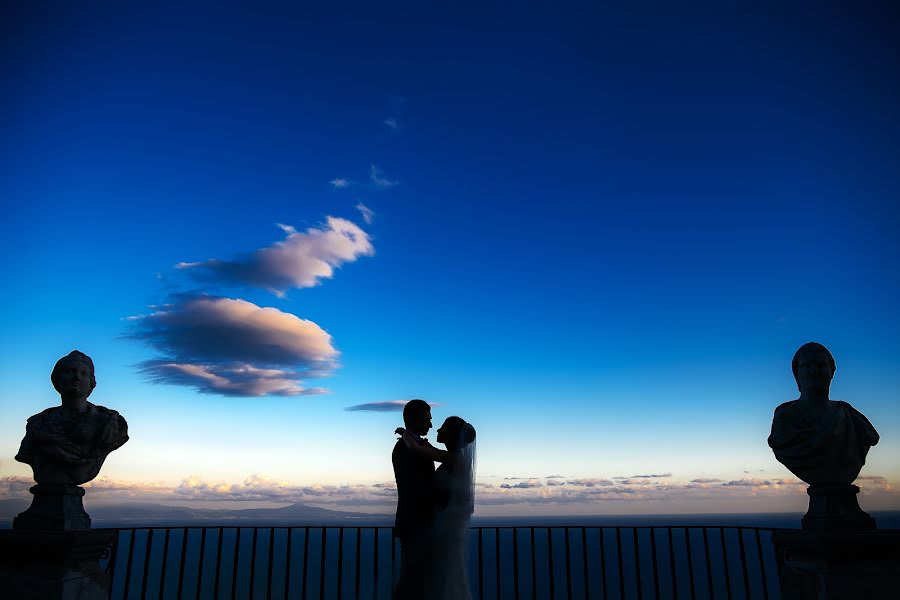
column 233, row 347
column 301, row 260
column 587, row 492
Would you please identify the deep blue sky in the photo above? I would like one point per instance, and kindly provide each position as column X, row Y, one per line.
column 610, row 229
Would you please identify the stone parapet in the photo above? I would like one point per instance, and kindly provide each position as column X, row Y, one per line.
column 54, row 565
column 826, row 565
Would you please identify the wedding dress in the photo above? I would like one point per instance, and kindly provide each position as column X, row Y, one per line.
column 447, row 578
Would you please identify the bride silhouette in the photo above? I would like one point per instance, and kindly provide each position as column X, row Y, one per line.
column 454, row 490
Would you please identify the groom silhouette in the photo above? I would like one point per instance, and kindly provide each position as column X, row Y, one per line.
column 415, row 503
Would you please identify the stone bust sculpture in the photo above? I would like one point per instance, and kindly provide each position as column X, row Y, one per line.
column 67, row 444
column 819, row 440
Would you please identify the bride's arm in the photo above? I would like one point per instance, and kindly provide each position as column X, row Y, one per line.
column 425, row 451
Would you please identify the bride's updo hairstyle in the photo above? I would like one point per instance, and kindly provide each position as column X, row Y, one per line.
column 459, row 431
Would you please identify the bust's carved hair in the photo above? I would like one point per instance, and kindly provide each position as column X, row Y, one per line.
column 809, row 348
column 73, row 356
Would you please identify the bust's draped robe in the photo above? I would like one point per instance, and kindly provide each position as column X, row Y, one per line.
column 64, row 446
column 830, row 448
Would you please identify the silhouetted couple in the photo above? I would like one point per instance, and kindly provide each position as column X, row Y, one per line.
column 434, row 507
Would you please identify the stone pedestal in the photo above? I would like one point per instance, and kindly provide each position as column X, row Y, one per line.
column 52, row 565
column 55, row 507
column 838, row 564
column 833, row 507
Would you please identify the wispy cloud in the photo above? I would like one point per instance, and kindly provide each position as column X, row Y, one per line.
column 379, row 180
column 747, row 483
column 391, row 122
column 340, row 183
column 233, row 347
column 590, row 482
column 522, row 485
column 367, row 213
column 384, row 406
column 301, row 260
column 230, row 380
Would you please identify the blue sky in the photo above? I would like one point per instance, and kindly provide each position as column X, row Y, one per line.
column 597, row 234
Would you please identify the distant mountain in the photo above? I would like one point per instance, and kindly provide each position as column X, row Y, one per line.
column 144, row 513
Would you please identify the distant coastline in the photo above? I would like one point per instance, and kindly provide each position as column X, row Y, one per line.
column 139, row 515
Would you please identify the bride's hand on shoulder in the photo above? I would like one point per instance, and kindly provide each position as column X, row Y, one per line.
column 407, row 437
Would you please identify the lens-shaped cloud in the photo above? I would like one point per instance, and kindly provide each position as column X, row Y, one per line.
column 301, row 260
column 384, row 406
column 233, row 347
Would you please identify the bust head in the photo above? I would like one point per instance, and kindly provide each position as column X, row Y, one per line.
column 73, row 375
column 813, row 367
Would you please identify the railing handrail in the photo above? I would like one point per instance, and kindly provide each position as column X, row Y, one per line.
column 264, row 525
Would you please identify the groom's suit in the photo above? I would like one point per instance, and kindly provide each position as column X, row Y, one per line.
column 415, row 490
column 415, row 513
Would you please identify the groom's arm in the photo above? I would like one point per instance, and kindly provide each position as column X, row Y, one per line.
column 422, row 449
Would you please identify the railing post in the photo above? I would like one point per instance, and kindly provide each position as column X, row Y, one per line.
column 271, row 560
column 303, row 583
column 375, row 565
column 184, row 541
column 253, row 560
column 287, row 563
column 515, row 536
column 147, row 550
column 234, row 562
column 637, row 563
column 165, row 558
column 200, row 563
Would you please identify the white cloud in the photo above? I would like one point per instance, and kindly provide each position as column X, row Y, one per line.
column 301, row 260
column 379, row 180
column 391, row 122
column 340, row 183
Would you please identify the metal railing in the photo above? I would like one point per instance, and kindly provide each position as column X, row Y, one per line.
column 328, row 562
